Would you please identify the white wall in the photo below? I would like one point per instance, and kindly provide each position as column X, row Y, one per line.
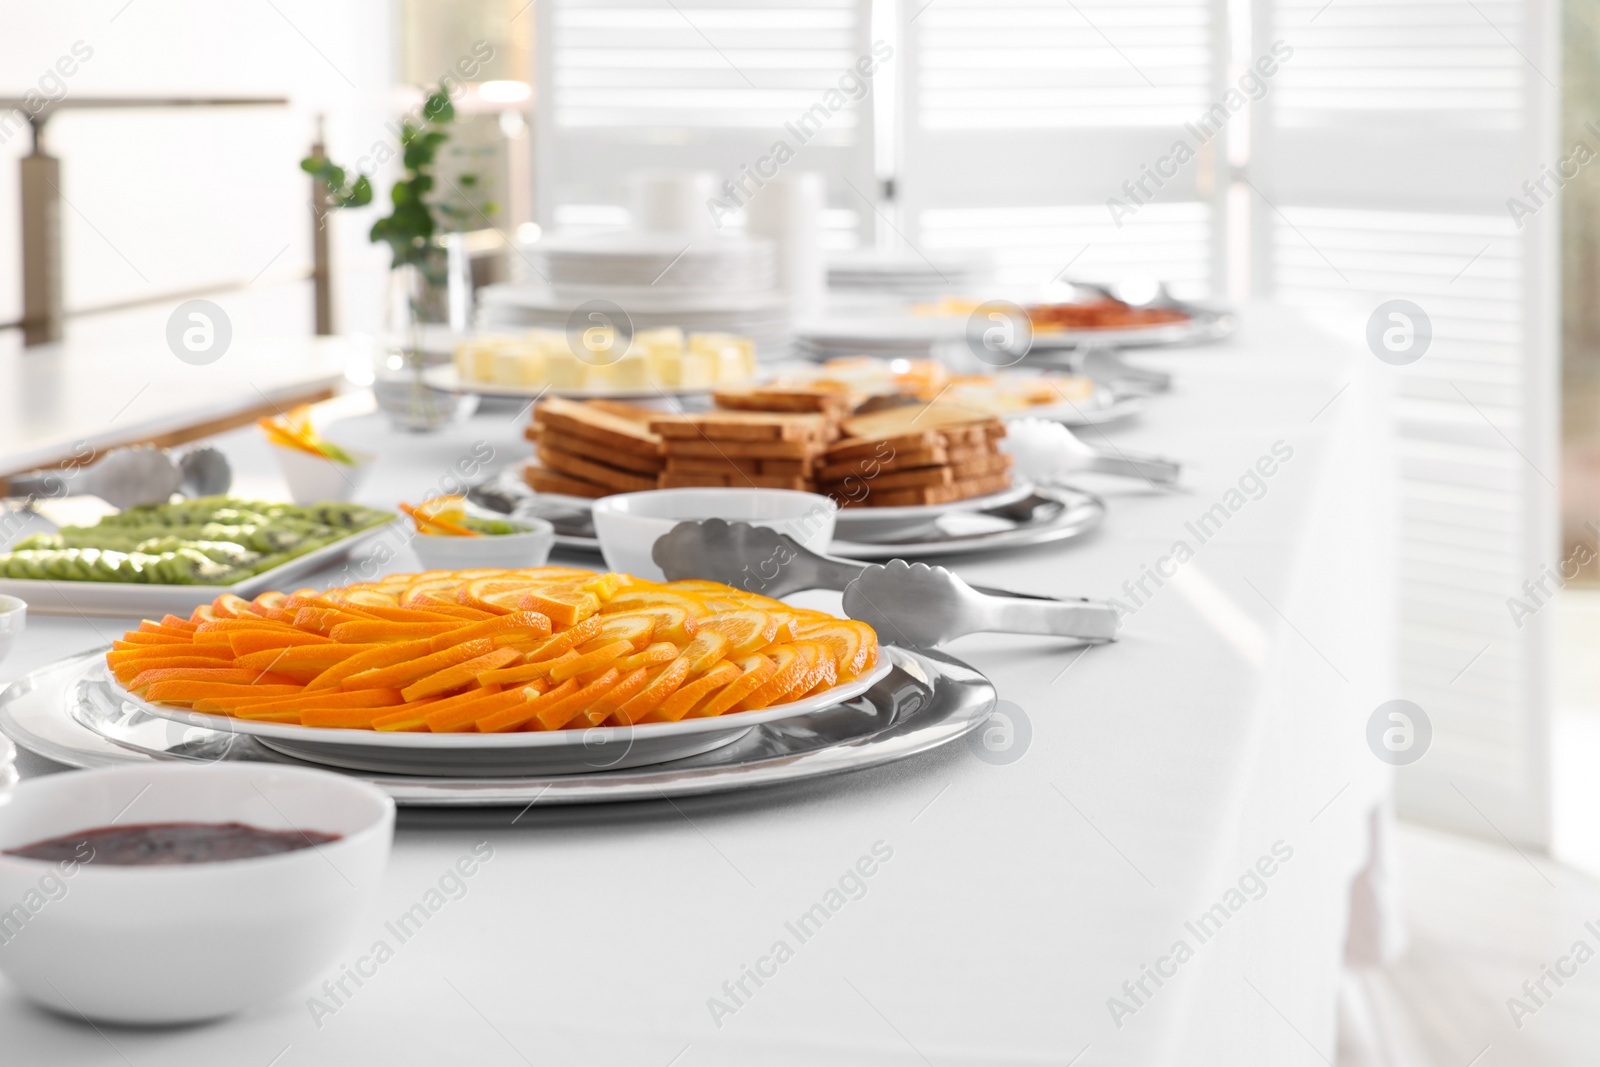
column 162, row 201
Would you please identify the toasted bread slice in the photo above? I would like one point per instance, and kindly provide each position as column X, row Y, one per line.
column 931, row 494
column 545, row 481
column 739, row 450
column 823, row 400
column 575, row 466
column 598, row 425
column 744, row 426
column 614, row 457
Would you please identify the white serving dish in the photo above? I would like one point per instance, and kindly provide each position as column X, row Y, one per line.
column 185, row 943
column 506, row 551
column 469, row 755
column 122, row 599
column 313, row 479
column 629, row 524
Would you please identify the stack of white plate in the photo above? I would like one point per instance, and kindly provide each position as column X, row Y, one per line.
column 905, row 274
column 700, row 284
column 887, row 335
column 762, row 317
column 674, row 262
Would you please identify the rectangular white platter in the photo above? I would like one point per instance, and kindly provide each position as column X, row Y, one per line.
column 118, row 599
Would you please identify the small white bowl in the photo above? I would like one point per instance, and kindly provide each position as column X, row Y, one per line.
column 153, row 945
column 13, row 617
column 510, row 551
column 629, row 524
column 313, row 479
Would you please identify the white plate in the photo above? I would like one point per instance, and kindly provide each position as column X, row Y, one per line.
column 448, row 379
column 901, row 331
column 117, row 599
column 1105, row 405
column 928, row 699
column 470, row 755
column 1203, row 324
column 956, row 533
column 869, row 523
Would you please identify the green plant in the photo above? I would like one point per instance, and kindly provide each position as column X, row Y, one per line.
column 410, row 226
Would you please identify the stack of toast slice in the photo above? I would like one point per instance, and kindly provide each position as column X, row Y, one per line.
column 772, row 438
column 593, row 449
column 754, row 449
column 916, row 454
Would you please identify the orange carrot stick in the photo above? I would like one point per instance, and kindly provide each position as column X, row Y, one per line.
column 442, row 524
column 383, row 630
column 135, row 639
column 590, row 660
column 458, row 675
column 140, row 655
column 127, row 672
column 304, row 662
column 387, row 699
column 230, row 675
column 462, row 718
column 383, row 656
column 244, row 642
column 513, row 716
column 403, row 674
column 520, row 624
column 555, row 715
column 182, row 692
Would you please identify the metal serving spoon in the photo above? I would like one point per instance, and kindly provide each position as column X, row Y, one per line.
column 761, row 560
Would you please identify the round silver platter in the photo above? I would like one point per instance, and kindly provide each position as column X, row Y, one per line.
column 958, row 532
column 949, row 531
column 927, row 700
column 1203, row 326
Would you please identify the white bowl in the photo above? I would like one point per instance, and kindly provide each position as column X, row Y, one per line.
column 313, row 479
column 628, row 524
column 13, row 617
column 149, row 945
column 511, row 551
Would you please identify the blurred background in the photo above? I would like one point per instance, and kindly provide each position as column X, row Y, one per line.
column 1424, row 149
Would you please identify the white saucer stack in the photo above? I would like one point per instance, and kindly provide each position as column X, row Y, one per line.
column 905, row 274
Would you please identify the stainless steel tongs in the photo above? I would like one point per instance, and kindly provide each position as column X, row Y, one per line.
column 910, row 604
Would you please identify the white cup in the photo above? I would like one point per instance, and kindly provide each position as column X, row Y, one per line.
column 671, row 201
column 628, row 524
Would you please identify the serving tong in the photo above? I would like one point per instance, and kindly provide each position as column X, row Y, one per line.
column 913, row 604
column 129, row 477
column 1047, row 451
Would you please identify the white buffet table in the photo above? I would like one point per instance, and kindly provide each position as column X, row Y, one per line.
column 1222, row 735
column 64, row 401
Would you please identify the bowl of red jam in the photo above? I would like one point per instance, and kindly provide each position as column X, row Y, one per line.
column 166, row 894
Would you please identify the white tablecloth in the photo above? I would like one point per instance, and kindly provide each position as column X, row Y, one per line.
column 1203, row 782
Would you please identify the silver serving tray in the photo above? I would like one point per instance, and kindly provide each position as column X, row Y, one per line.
column 1203, row 326
column 943, row 537
column 927, row 700
column 955, row 533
